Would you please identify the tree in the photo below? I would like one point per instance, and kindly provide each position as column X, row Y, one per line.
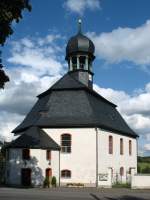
column 3, row 77
column 10, row 10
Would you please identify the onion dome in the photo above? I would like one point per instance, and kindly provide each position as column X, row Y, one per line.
column 80, row 44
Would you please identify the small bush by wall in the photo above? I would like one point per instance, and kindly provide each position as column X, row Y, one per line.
column 46, row 182
column 54, row 181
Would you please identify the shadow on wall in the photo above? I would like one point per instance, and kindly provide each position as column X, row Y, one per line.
column 125, row 197
column 37, row 175
column 17, row 164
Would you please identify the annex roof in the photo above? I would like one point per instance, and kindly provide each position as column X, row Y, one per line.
column 34, row 138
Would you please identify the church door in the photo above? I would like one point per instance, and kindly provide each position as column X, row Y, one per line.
column 26, row 177
column 48, row 172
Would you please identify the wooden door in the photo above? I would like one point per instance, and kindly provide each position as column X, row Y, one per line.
column 48, row 172
column 26, row 177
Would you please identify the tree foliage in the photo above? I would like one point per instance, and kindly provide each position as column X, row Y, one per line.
column 3, row 77
column 144, row 159
column 10, row 10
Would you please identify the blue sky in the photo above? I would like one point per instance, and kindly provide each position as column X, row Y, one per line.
column 35, row 57
column 52, row 16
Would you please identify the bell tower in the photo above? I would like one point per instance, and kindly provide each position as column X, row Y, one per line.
column 80, row 55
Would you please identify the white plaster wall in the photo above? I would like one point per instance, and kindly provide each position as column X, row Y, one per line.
column 140, row 181
column 38, row 164
column 115, row 160
column 82, row 160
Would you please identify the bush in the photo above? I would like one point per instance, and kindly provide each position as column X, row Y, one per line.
column 54, row 181
column 46, row 182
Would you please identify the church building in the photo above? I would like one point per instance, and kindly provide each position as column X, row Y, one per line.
column 72, row 132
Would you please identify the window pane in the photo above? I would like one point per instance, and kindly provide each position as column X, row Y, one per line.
column 66, row 173
column 66, row 136
column 66, row 143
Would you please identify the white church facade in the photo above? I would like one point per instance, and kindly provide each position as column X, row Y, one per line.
column 72, row 132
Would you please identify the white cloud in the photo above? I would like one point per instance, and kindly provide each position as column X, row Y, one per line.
column 38, row 56
column 35, row 66
column 147, row 147
column 139, row 122
column 79, row 6
column 114, row 96
column 124, row 44
column 8, row 122
column 137, row 103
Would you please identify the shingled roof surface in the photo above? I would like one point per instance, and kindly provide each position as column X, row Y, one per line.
column 34, row 138
column 69, row 103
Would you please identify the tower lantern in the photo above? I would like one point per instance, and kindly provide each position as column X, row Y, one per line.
column 80, row 55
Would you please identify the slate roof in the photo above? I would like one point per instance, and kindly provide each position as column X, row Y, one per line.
column 34, row 138
column 69, row 103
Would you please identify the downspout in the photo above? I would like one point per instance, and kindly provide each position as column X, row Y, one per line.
column 6, row 166
column 59, row 168
column 96, row 130
column 137, row 154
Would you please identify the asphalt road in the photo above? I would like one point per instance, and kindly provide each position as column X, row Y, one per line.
column 73, row 194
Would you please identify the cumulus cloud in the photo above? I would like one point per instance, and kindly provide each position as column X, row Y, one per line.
column 36, row 64
column 124, row 44
column 147, row 147
column 81, row 5
column 38, row 56
column 8, row 122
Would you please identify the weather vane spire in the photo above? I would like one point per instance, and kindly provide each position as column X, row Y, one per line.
column 79, row 25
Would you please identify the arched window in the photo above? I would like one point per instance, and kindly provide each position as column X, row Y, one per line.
column 65, row 173
column 74, row 62
column 48, row 154
column 121, row 171
column 110, row 145
column 66, row 143
column 130, row 147
column 26, row 154
column 48, row 172
column 82, row 62
column 121, row 146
